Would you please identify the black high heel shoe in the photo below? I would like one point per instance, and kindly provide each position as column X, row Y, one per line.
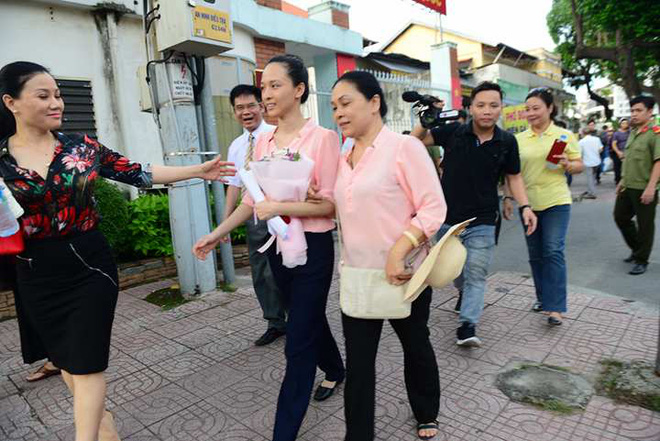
column 323, row 393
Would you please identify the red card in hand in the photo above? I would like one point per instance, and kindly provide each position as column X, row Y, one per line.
column 556, row 150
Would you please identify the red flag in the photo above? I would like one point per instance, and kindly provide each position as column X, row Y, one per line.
column 437, row 5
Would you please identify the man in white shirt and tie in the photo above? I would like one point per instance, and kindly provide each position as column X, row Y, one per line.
column 248, row 111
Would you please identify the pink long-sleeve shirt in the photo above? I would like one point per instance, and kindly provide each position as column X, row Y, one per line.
column 395, row 185
column 320, row 145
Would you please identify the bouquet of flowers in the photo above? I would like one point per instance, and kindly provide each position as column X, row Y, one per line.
column 284, row 177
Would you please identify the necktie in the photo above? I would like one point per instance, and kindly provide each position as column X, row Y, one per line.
column 248, row 158
column 249, row 152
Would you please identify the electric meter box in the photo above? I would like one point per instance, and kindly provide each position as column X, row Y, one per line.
column 200, row 27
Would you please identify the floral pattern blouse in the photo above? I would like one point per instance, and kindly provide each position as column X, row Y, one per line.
column 63, row 203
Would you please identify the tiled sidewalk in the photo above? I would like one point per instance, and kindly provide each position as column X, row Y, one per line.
column 192, row 374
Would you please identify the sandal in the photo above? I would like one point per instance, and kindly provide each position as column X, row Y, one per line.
column 434, row 425
column 554, row 319
column 42, row 373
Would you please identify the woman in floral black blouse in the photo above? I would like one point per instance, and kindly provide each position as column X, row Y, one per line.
column 66, row 279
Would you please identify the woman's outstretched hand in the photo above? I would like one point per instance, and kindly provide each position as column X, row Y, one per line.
column 205, row 245
column 216, row 168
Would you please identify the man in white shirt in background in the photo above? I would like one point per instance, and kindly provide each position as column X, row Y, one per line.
column 591, row 147
column 248, row 111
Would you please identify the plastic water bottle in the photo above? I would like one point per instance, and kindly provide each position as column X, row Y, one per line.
column 8, row 224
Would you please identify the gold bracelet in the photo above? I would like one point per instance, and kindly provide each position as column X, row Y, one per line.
column 412, row 238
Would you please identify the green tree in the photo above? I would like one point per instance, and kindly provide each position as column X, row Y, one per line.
column 616, row 40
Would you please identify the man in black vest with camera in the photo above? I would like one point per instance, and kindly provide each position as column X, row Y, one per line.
column 477, row 155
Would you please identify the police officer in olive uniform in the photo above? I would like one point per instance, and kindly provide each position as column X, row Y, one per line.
column 637, row 192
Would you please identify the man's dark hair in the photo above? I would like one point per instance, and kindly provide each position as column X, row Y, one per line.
column 244, row 89
column 486, row 85
column 646, row 100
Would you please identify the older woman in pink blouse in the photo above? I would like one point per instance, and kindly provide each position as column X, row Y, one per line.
column 387, row 189
column 309, row 342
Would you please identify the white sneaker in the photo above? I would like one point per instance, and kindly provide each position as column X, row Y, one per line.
column 466, row 336
column 471, row 342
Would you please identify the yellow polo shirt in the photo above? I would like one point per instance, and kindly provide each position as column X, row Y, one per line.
column 546, row 187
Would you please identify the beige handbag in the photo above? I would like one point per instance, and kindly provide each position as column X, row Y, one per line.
column 365, row 293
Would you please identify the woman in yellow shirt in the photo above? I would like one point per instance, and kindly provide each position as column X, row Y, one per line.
column 550, row 199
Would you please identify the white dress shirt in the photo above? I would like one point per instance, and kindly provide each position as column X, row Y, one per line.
column 238, row 148
column 591, row 147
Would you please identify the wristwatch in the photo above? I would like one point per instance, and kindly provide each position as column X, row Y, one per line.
column 522, row 208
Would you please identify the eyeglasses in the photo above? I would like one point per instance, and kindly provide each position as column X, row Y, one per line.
column 242, row 107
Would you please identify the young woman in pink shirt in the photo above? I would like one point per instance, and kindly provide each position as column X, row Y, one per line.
column 309, row 342
column 387, row 189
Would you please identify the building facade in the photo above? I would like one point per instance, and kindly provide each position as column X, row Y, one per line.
column 95, row 49
column 515, row 71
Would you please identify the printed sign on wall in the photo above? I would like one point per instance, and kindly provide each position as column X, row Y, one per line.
column 211, row 24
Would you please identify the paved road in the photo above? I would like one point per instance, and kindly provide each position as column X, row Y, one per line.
column 594, row 249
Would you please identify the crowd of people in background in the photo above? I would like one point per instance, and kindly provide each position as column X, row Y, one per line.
column 605, row 149
column 632, row 152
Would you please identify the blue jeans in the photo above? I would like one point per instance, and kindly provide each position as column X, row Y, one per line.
column 480, row 244
column 546, row 257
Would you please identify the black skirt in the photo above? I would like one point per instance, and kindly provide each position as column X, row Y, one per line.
column 66, row 293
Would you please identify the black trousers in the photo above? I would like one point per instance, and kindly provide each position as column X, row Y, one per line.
column 309, row 341
column 262, row 276
column 616, row 162
column 638, row 237
column 420, row 368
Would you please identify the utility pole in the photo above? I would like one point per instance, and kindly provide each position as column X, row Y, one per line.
column 189, row 211
column 174, row 30
column 217, row 188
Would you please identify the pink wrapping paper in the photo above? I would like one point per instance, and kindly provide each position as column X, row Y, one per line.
column 286, row 180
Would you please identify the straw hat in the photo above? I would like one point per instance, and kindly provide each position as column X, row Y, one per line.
column 443, row 264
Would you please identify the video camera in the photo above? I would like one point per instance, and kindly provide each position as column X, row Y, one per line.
column 429, row 115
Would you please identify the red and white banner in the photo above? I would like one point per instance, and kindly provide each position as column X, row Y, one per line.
column 437, row 5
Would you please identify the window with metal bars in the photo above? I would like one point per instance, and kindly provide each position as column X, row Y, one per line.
column 78, row 107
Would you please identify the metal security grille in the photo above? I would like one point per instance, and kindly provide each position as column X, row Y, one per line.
column 78, row 107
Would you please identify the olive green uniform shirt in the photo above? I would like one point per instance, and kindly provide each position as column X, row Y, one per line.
column 642, row 151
